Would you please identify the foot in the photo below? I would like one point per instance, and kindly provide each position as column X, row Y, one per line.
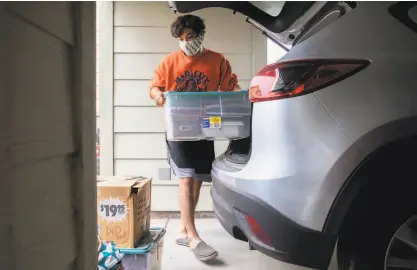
column 202, row 251
column 182, row 240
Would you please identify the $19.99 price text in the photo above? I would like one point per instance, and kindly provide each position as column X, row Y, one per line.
column 111, row 210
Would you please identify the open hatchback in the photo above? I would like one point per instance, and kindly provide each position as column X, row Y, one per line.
column 285, row 22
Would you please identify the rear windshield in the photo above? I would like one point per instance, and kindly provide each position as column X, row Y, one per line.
column 272, row 8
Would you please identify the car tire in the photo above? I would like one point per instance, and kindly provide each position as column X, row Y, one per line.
column 370, row 224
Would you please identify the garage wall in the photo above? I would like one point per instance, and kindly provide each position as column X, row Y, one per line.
column 48, row 185
column 141, row 40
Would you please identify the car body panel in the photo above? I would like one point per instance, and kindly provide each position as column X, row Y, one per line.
column 305, row 148
column 376, row 106
column 290, row 178
column 289, row 242
column 386, row 93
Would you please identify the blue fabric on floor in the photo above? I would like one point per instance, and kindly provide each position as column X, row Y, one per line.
column 108, row 256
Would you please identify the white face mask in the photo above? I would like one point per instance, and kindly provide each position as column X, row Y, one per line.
column 192, row 47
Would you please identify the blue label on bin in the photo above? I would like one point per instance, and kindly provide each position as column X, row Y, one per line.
column 211, row 122
column 205, row 122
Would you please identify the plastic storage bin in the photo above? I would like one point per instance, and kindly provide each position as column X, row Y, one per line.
column 207, row 115
column 148, row 256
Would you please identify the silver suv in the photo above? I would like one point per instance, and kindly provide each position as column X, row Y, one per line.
column 332, row 159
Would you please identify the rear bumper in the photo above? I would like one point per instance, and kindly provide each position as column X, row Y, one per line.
column 291, row 242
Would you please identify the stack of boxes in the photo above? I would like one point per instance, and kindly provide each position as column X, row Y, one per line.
column 123, row 218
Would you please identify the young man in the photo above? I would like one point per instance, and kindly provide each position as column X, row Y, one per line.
column 191, row 69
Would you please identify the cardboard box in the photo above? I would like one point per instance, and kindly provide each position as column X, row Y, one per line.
column 123, row 209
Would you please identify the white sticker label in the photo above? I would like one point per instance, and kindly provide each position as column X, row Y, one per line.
column 112, row 209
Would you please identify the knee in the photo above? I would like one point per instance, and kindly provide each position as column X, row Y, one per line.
column 187, row 181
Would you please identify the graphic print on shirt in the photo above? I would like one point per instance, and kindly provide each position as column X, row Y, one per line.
column 192, row 81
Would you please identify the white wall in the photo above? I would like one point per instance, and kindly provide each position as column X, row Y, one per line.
column 274, row 52
column 141, row 40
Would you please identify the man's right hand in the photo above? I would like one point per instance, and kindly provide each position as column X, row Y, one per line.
column 158, row 96
column 160, row 101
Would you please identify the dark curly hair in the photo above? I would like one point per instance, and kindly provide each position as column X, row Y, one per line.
column 188, row 21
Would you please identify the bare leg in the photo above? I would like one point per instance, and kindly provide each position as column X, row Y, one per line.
column 196, row 195
column 187, row 208
column 200, row 249
column 196, row 192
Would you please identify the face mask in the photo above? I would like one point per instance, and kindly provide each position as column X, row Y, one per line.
column 192, row 47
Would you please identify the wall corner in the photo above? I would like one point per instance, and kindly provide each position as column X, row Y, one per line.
column 105, row 17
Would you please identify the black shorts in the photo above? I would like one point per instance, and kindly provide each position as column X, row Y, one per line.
column 191, row 158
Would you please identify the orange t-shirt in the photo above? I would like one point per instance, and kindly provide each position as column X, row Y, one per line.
column 207, row 71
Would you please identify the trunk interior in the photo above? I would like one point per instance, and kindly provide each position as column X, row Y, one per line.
column 238, row 152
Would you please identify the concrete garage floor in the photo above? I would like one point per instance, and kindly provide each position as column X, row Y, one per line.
column 233, row 254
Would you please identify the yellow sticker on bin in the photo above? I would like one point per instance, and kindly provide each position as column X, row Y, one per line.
column 215, row 121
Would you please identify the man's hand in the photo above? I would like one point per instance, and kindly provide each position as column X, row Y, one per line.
column 160, row 101
column 236, row 88
column 158, row 96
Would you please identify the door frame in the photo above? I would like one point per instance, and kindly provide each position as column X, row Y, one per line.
column 85, row 133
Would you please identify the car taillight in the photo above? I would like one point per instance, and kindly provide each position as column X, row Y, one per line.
column 257, row 231
column 300, row 77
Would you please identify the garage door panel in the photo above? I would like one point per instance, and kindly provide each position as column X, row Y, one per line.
column 241, row 65
column 140, row 146
column 144, row 13
column 139, row 119
column 40, row 105
column 132, row 93
column 149, row 146
column 136, row 66
column 42, row 195
column 136, row 92
column 141, row 167
column 159, row 40
column 221, row 41
column 144, row 40
column 170, row 201
column 244, row 84
column 53, row 17
column 142, row 66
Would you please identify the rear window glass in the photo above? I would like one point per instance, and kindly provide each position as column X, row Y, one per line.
column 405, row 12
column 272, row 8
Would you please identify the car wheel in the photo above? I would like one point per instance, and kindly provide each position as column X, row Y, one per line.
column 380, row 231
column 402, row 250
